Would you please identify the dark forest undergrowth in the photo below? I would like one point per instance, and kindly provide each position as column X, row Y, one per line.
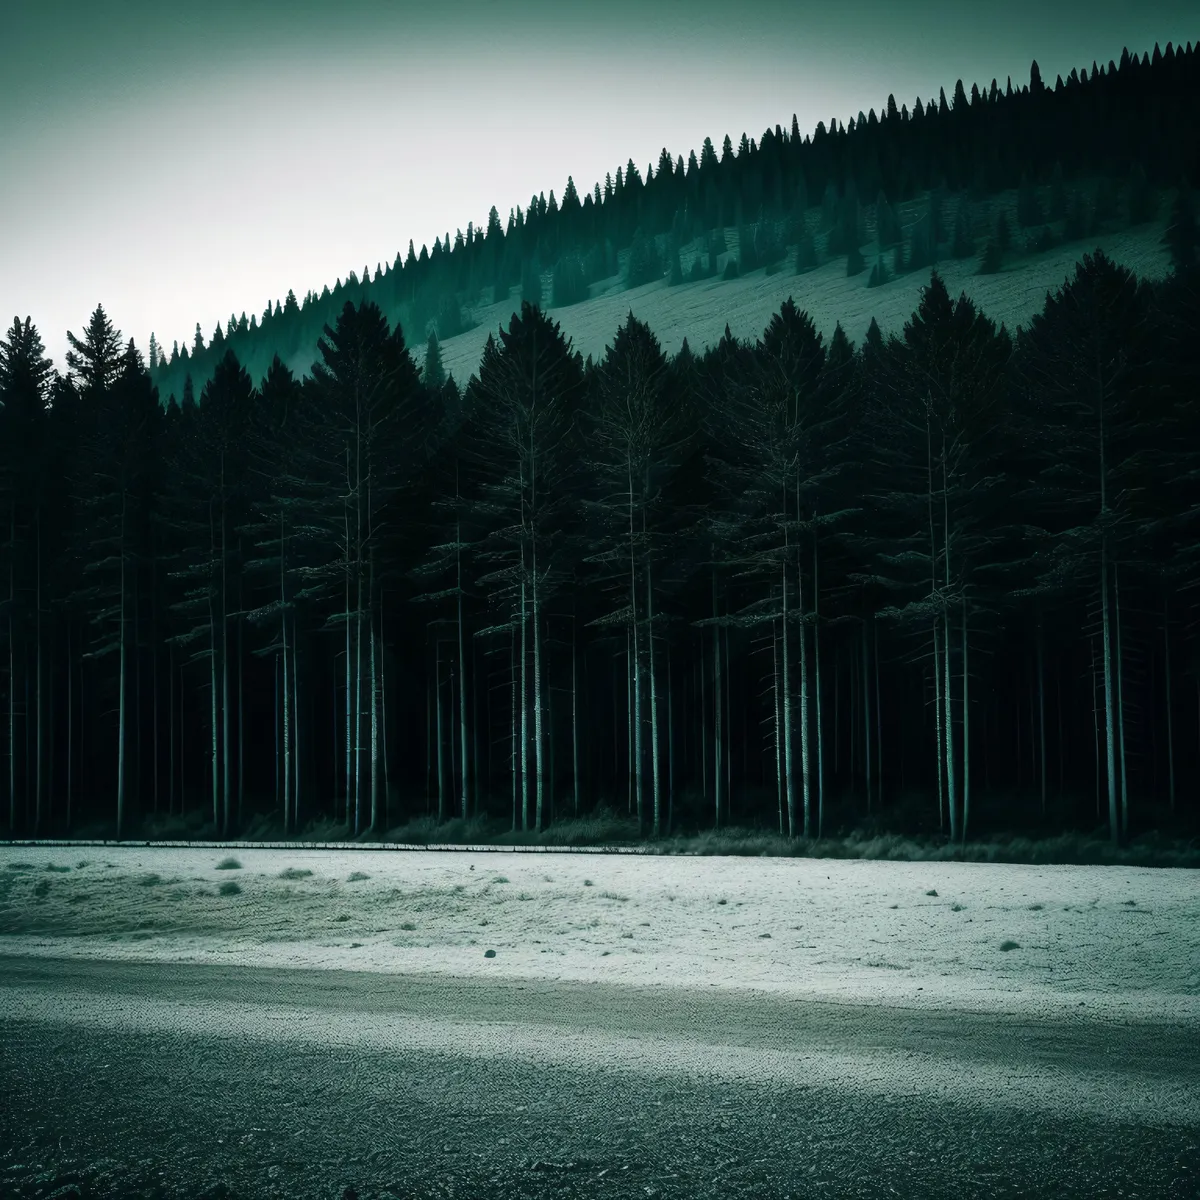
column 906, row 830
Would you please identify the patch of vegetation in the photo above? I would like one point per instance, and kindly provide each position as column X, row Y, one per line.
column 931, row 892
column 1036, row 907
column 295, row 873
column 959, row 907
column 410, row 927
column 41, row 889
column 500, row 879
column 57, row 869
column 722, row 901
column 355, row 876
column 21, row 866
column 1010, row 945
column 230, row 887
column 342, row 917
column 150, row 880
column 229, row 864
column 615, row 896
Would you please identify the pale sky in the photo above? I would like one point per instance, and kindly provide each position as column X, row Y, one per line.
column 179, row 162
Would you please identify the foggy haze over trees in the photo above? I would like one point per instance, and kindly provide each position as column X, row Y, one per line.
column 942, row 577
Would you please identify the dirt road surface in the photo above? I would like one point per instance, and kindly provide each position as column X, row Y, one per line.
column 130, row 1079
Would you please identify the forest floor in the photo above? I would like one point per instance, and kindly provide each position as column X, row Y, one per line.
column 178, row 1021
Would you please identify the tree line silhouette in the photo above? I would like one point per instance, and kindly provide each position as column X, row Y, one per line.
column 944, row 579
column 794, row 202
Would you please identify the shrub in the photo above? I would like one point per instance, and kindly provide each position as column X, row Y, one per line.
column 992, row 258
column 230, row 887
column 229, row 864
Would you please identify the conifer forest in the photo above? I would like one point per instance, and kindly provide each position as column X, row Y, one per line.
column 943, row 578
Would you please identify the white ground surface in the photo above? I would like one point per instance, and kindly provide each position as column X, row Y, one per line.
column 1123, row 942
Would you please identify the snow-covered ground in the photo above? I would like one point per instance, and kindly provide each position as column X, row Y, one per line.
column 1122, row 942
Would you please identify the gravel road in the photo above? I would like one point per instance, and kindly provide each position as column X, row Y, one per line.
column 130, row 1079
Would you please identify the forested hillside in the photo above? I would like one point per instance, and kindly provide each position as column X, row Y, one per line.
column 946, row 576
column 993, row 177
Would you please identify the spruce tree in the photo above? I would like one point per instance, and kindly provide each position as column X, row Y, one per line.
column 433, row 376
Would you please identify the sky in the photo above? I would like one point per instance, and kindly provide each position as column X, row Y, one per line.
column 179, row 162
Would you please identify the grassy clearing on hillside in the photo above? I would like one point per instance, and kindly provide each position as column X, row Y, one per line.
column 699, row 311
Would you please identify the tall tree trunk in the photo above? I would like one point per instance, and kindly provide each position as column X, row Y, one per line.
column 349, row 797
column 817, row 688
column 226, row 763
column 727, row 676
column 122, row 672
column 383, row 720
column 513, row 673
column 1120, row 701
column 294, row 744
column 512, row 661
column 866, row 704
column 441, row 775
column 288, row 821
column 779, row 780
column 937, row 700
column 524, row 715
column 1096, row 722
column 1109, row 715
column 878, row 719
column 1170, row 719
column 70, row 725
column 376, row 815
column 574, row 720
column 539, row 745
column 241, row 708
column 462, row 662
column 635, row 662
column 703, row 726
column 12, row 677
column 716, row 708
column 951, row 782
column 670, row 747
column 39, row 814
column 786, row 683
column 654, row 762
column 966, row 709
column 1041, row 709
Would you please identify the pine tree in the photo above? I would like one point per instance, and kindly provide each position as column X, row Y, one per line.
column 433, row 376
